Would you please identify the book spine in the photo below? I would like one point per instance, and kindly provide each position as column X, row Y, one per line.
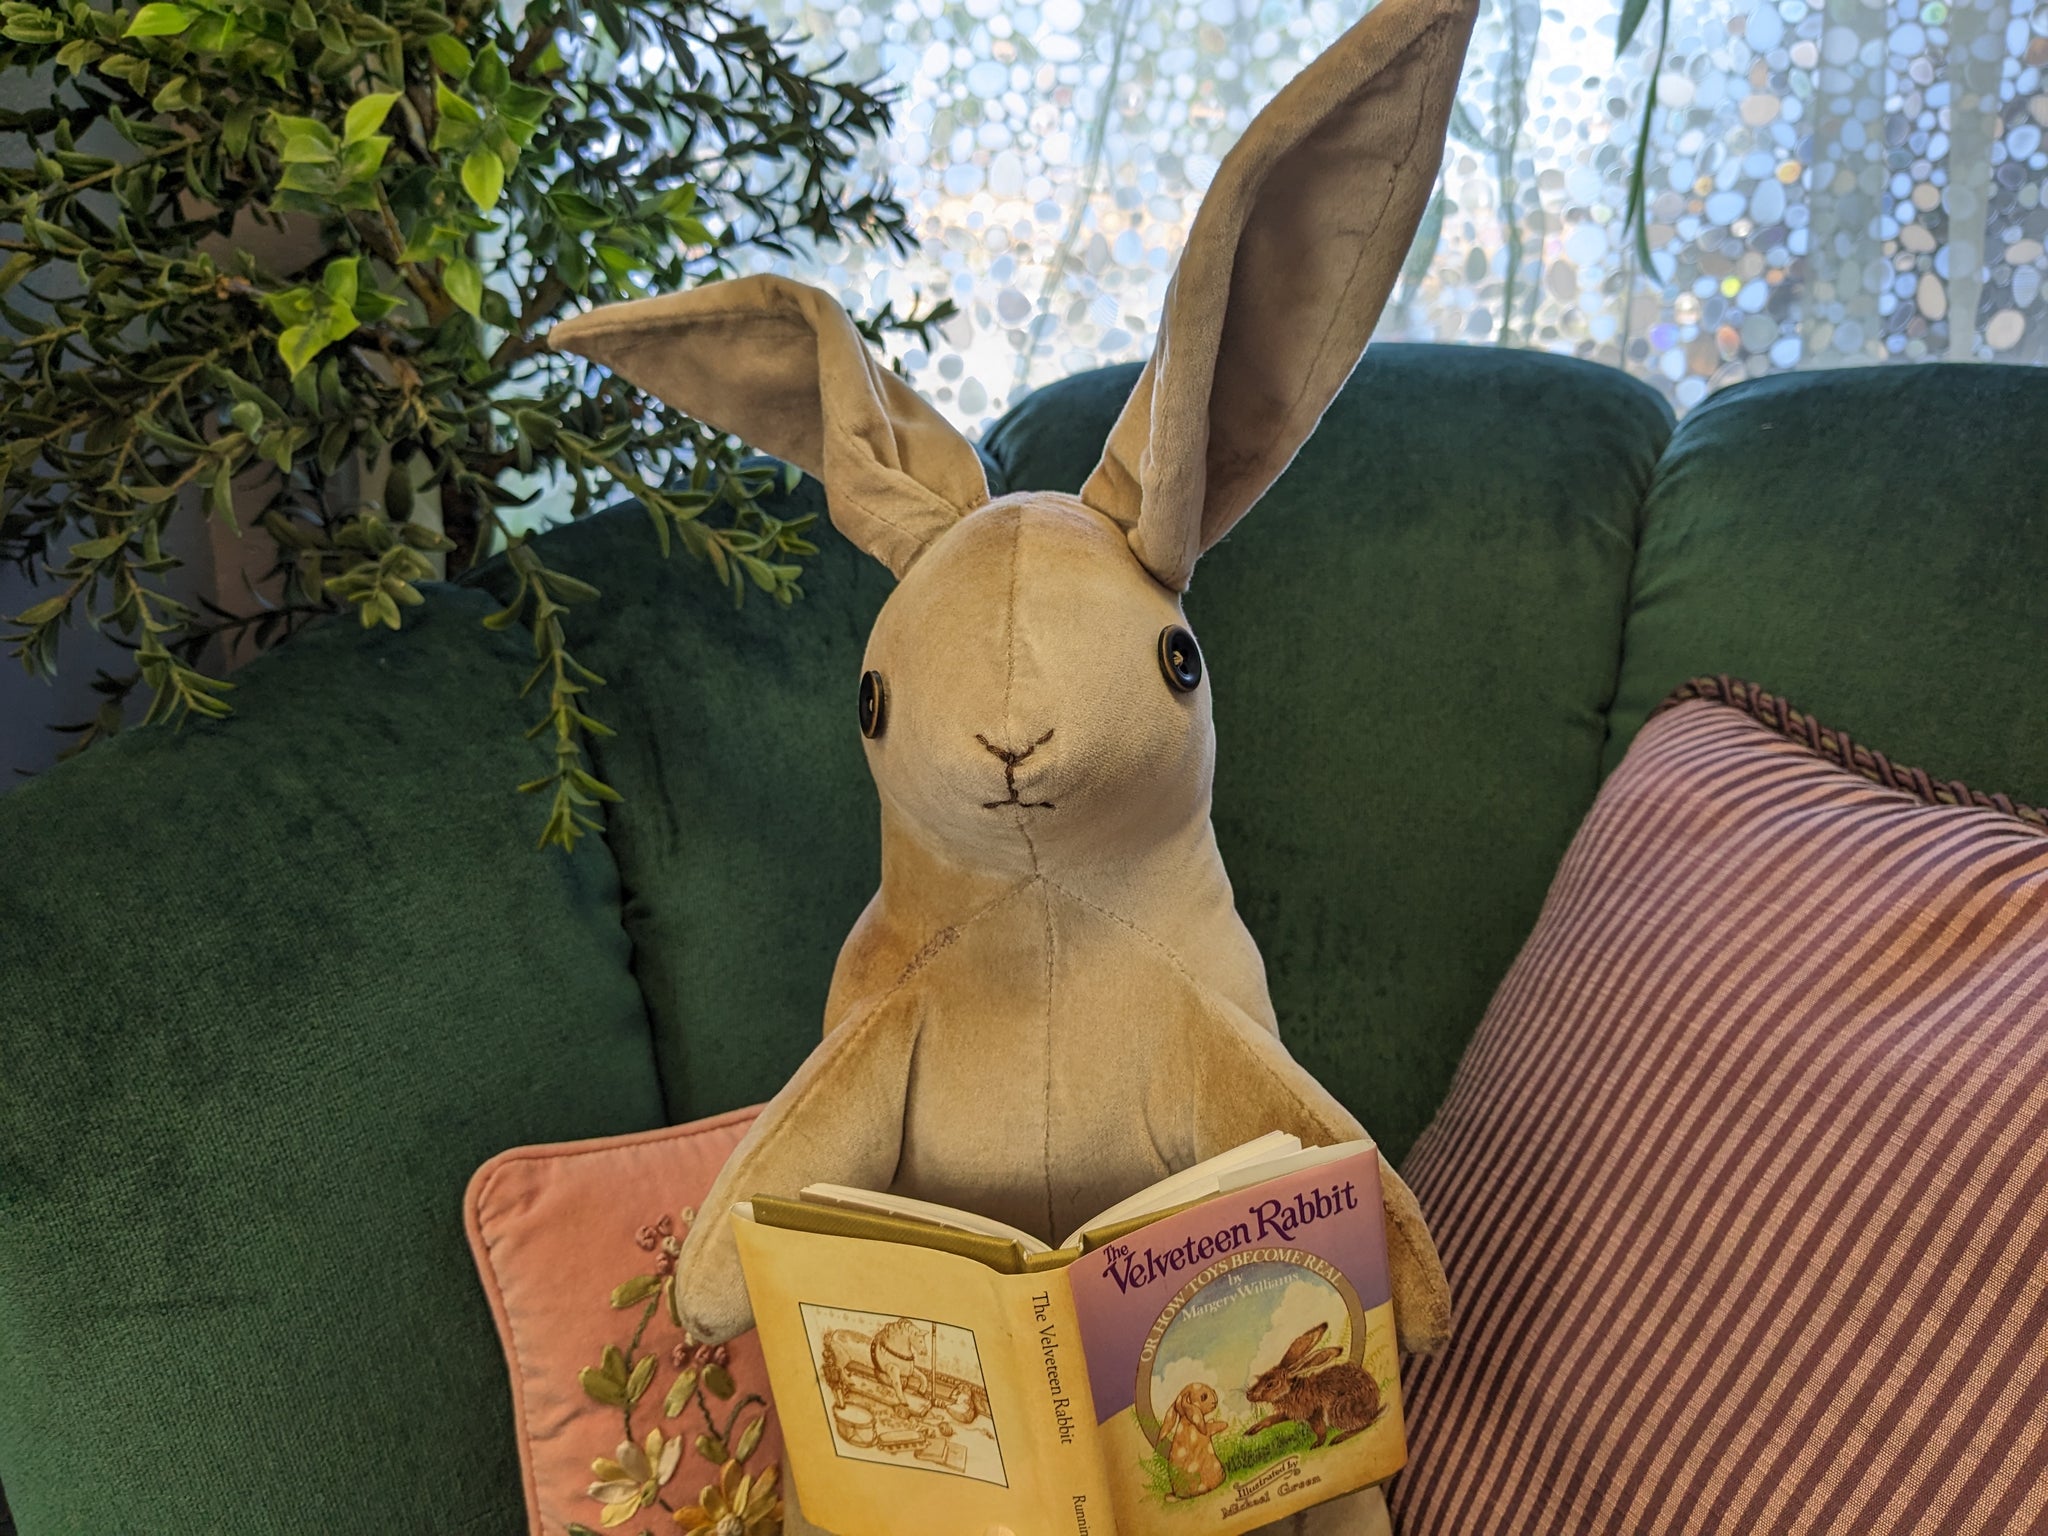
column 1076, row 1481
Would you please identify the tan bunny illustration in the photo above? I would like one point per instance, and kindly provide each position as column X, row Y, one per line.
column 1334, row 1401
column 1184, row 1435
column 1051, row 1000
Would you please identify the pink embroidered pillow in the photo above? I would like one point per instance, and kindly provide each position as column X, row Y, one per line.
column 621, row 1415
column 1743, row 1183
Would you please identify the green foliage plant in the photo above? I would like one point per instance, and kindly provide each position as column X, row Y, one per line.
column 469, row 173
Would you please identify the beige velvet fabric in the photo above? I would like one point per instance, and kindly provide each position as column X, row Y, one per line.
column 780, row 363
column 1289, row 261
column 1051, row 1001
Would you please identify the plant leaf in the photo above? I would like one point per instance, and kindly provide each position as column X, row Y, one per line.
column 449, row 56
column 464, row 281
column 483, row 178
column 161, row 20
column 366, row 116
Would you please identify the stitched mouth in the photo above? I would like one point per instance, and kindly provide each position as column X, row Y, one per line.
column 1010, row 759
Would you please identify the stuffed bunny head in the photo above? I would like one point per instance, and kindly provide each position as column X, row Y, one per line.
column 1014, row 685
column 1033, row 671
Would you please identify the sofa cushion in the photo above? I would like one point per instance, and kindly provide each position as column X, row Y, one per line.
column 1740, row 1187
column 272, row 989
column 1875, row 542
column 1413, row 644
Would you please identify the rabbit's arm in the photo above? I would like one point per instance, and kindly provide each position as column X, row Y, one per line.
column 839, row 1120
column 1247, row 1085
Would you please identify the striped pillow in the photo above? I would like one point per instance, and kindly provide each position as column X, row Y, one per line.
column 1743, row 1183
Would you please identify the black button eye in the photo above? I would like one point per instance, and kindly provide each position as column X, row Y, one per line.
column 871, row 704
column 1180, row 659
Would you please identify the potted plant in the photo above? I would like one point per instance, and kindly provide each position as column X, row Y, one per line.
column 450, row 180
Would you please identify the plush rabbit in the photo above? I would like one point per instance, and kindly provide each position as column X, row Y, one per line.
column 1050, row 1001
column 1185, row 1434
column 1334, row 1401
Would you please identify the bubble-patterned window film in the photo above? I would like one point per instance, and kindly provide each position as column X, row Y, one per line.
column 1848, row 182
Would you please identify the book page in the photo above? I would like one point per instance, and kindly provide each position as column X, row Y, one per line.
column 876, row 1203
column 922, row 1391
column 1204, row 1178
column 1242, row 1353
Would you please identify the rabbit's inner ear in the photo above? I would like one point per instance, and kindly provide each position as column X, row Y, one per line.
column 780, row 364
column 1292, row 254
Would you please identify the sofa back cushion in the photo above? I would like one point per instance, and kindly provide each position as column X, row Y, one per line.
column 1740, row 1187
column 270, row 989
column 1872, row 541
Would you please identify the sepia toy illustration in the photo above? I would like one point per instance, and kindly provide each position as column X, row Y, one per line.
column 904, row 1390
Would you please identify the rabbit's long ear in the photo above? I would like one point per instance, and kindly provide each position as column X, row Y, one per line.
column 779, row 364
column 1291, row 257
column 1299, row 1349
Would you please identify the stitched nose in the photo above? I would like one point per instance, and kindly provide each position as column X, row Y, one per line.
column 1009, row 757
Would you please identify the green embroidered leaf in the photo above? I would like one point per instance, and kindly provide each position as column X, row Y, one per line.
column 601, row 1387
column 718, row 1381
column 750, row 1437
column 636, row 1384
column 712, row 1449
column 679, row 1394
column 161, row 21
column 636, row 1290
column 613, row 1364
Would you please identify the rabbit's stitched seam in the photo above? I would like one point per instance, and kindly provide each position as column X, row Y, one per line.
column 850, row 1035
column 1172, row 955
column 855, row 1028
column 1273, row 1074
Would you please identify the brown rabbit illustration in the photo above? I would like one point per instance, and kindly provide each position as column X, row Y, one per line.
column 1184, row 1435
column 1304, row 1388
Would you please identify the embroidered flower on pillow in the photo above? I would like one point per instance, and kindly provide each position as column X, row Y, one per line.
column 700, row 1405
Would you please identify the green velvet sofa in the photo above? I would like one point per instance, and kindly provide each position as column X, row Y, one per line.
column 271, row 989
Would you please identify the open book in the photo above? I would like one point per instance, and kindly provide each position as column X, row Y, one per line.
column 1210, row 1354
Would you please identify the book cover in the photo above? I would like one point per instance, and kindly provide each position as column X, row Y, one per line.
column 1223, row 1366
column 1242, row 1353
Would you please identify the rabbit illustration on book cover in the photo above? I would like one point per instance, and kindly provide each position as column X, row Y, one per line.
column 1185, row 1435
column 1335, row 1401
column 1051, row 1000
